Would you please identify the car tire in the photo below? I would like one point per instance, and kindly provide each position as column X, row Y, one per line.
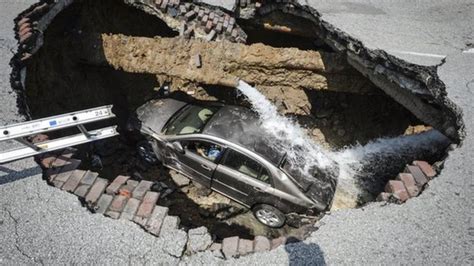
column 269, row 215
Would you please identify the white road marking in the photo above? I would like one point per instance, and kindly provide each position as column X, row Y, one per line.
column 469, row 51
column 419, row 54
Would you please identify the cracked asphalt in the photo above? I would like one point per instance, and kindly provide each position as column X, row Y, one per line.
column 42, row 225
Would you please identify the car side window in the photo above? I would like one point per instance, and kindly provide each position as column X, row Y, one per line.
column 247, row 166
column 205, row 149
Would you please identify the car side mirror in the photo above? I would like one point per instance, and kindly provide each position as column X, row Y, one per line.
column 177, row 147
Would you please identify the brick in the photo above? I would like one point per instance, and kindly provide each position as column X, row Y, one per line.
column 130, row 209
column 210, row 35
column 261, row 243
column 89, row 178
column 410, row 184
column 245, row 246
column 82, row 190
column 415, row 171
column 235, row 33
column 425, row 168
column 118, row 203
column 116, row 184
column 182, row 9
column 219, row 27
column 148, row 203
column 196, row 61
column 230, row 246
column 140, row 220
column 154, row 223
column 398, row 189
column 215, row 246
column 276, row 242
column 73, row 181
column 200, row 14
column 208, row 26
column 141, row 189
column 96, row 190
column 64, row 157
column 47, row 161
column 164, row 4
column 65, row 172
column 215, row 21
column 112, row 214
column 229, row 28
column 103, row 203
column 383, row 196
column 204, row 20
column 127, row 189
column 212, row 15
column 170, row 223
column 190, row 15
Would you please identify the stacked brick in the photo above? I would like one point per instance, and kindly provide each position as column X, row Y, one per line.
column 132, row 200
column 198, row 21
column 408, row 184
column 263, row 6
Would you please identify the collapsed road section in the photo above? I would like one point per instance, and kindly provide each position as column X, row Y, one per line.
column 370, row 112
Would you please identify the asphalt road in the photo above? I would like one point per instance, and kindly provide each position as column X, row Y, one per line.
column 40, row 224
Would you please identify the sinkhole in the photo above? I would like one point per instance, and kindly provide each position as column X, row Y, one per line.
column 95, row 53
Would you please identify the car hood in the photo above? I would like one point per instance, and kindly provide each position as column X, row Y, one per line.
column 154, row 114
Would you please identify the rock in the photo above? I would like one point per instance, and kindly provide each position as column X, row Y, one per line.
column 175, row 242
column 180, row 180
column 199, row 239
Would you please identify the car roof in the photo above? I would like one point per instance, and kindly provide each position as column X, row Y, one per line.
column 242, row 126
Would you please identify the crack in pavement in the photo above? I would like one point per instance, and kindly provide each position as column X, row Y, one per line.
column 17, row 236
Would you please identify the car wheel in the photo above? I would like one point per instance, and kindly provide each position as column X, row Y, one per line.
column 269, row 215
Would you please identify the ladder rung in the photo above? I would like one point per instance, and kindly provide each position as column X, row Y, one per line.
column 57, row 144
column 55, row 122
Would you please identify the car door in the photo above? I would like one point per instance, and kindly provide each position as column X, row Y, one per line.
column 242, row 178
column 198, row 160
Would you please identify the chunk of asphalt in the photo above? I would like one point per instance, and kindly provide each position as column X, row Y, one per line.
column 199, row 239
column 174, row 242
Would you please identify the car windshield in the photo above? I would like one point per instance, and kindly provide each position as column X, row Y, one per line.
column 191, row 119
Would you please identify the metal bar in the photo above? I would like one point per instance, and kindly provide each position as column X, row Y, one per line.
column 28, row 144
column 57, row 144
column 55, row 122
column 84, row 131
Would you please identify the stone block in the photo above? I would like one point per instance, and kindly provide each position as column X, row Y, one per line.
column 103, row 203
column 130, row 209
column 384, row 196
column 420, row 178
column 397, row 188
column 276, row 242
column 245, row 246
column 96, row 190
column 112, row 214
column 148, row 203
column 47, row 161
column 410, row 184
column 154, row 223
column 210, row 36
column 261, row 243
column 73, row 181
column 199, row 239
column 230, row 246
column 140, row 191
column 116, row 184
column 190, row 15
column 208, row 26
column 425, row 168
column 118, row 203
column 215, row 247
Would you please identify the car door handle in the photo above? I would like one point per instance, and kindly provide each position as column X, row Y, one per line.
column 258, row 189
column 205, row 167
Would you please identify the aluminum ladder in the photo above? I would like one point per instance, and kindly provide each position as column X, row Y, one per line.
column 78, row 119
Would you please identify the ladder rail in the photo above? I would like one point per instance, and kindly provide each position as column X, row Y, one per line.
column 57, row 144
column 19, row 130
